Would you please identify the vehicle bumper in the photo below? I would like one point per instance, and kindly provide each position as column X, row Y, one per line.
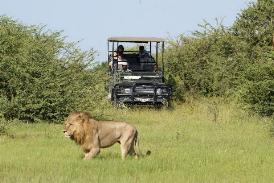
column 142, row 99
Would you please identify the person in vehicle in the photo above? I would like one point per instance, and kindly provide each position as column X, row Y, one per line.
column 145, row 59
column 119, row 54
column 142, row 53
column 118, row 58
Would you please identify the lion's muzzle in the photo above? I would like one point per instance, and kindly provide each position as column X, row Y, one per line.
column 67, row 135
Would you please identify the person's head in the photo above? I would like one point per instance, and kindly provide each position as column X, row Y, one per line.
column 141, row 48
column 120, row 49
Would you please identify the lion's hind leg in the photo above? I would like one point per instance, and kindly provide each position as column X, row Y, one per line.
column 127, row 147
column 128, row 142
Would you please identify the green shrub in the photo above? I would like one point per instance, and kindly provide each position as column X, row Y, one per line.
column 41, row 76
column 228, row 62
column 255, row 27
column 208, row 63
column 258, row 89
column 3, row 126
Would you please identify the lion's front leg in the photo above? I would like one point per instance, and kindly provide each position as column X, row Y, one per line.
column 92, row 153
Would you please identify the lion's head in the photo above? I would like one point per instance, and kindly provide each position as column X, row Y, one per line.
column 76, row 125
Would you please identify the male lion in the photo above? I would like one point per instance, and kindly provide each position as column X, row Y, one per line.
column 92, row 135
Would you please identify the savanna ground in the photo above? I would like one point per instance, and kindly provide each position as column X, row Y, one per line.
column 196, row 142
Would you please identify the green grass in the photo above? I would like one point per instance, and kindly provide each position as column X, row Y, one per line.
column 192, row 143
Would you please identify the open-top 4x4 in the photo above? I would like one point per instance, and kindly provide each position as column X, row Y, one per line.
column 140, row 79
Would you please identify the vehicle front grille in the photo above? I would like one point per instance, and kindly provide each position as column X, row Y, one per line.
column 144, row 89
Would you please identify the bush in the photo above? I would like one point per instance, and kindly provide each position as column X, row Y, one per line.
column 258, row 89
column 208, row 63
column 3, row 126
column 41, row 76
column 221, row 61
column 255, row 27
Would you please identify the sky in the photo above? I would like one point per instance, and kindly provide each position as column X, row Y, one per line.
column 91, row 22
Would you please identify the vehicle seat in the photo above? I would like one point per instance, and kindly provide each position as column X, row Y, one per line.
column 133, row 62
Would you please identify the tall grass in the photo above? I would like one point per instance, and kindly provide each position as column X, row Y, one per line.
column 197, row 142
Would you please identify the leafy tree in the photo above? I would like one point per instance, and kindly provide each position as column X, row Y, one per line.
column 223, row 61
column 208, row 62
column 255, row 27
column 255, row 24
column 42, row 77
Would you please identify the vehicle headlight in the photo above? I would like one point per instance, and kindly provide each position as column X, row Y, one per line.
column 164, row 91
column 127, row 90
column 159, row 91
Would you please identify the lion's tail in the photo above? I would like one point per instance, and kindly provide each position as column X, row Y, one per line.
column 136, row 143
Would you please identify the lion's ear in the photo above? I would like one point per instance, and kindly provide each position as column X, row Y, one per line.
column 87, row 114
column 84, row 117
column 81, row 117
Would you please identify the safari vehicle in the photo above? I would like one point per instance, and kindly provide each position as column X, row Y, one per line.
column 140, row 80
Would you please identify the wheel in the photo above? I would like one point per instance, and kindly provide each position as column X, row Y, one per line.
column 166, row 104
column 117, row 103
column 169, row 104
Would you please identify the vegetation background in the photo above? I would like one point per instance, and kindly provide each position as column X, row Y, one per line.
column 215, row 69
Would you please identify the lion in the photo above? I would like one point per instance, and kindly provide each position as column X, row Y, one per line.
column 92, row 135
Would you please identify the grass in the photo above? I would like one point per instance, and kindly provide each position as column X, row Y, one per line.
column 192, row 143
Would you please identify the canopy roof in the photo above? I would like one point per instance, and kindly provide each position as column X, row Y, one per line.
column 135, row 39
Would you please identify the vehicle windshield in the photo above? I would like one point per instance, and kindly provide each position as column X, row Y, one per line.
column 137, row 62
column 133, row 61
column 133, row 54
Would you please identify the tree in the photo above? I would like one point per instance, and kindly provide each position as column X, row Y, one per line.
column 41, row 76
column 223, row 61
